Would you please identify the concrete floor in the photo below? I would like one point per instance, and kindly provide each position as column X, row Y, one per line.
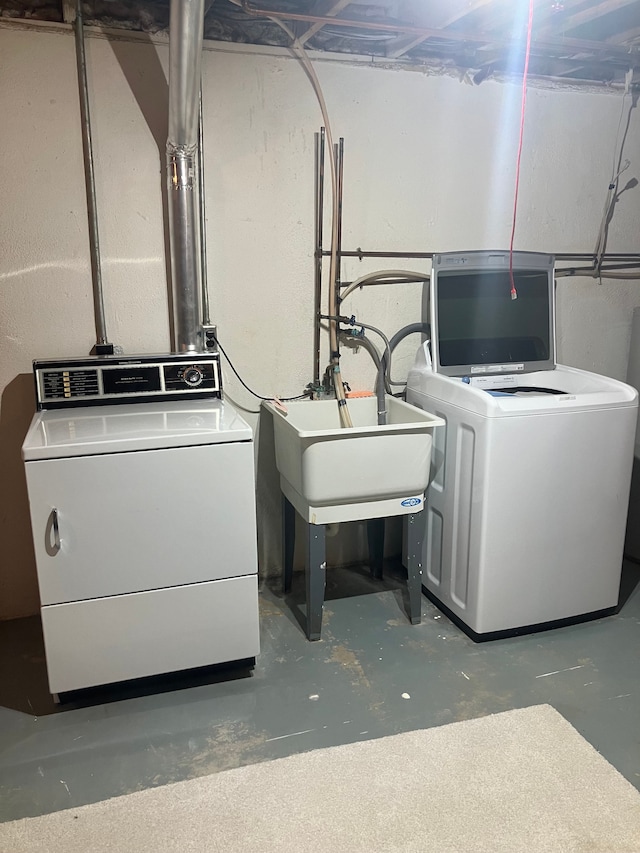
column 372, row 674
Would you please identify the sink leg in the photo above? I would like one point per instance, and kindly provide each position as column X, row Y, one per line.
column 375, row 537
column 415, row 537
column 288, row 542
column 315, row 571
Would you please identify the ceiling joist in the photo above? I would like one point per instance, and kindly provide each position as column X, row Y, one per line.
column 563, row 23
column 404, row 44
column 626, row 37
column 323, row 10
column 68, row 11
column 593, row 40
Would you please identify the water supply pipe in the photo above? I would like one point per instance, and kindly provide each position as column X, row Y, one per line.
column 186, row 26
column 319, row 224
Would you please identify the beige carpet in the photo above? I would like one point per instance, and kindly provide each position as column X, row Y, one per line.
column 523, row 780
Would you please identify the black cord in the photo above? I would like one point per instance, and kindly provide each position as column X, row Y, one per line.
column 243, row 383
column 511, row 390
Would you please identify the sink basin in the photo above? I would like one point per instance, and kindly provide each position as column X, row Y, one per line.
column 330, row 473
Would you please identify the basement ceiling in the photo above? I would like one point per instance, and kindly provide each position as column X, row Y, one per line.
column 575, row 41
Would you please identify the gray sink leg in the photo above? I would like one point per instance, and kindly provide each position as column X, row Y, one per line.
column 315, row 572
column 375, row 537
column 288, row 542
column 415, row 537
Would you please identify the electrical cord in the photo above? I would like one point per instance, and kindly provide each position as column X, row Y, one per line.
column 531, row 388
column 244, row 384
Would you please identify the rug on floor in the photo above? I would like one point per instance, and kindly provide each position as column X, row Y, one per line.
column 522, row 781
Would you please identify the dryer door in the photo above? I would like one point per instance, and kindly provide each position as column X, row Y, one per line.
column 128, row 522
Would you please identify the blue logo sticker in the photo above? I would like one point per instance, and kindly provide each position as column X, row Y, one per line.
column 411, row 502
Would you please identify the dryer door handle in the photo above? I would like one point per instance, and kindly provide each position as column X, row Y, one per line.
column 52, row 533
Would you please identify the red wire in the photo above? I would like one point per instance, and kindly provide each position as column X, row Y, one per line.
column 514, row 294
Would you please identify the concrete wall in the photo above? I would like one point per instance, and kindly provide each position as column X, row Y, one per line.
column 429, row 165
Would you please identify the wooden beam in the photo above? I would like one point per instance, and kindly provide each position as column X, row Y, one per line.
column 563, row 23
column 549, row 44
column 543, row 11
column 627, row 37
column 547, row 11
column 401, row 45
column 398, row 47
column 471, row 7
column 68, row 11
column 323, row 10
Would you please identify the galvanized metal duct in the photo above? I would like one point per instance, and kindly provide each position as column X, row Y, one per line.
column 186, row 25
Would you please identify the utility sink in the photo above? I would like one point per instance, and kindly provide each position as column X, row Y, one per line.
column 331, row 473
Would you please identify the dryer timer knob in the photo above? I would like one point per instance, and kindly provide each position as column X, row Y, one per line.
column 193, row 376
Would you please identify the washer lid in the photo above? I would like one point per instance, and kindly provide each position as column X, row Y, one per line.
column 62, row 433
column 581, row 391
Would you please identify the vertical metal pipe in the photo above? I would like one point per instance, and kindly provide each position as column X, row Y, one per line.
column 320, row 145
column 338, row 151
column 87, row 148
column 206, row 319
column 186, row 25
column 339, row 173
column 185, row 260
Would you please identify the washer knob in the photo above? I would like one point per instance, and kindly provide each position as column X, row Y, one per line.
column 193, row 376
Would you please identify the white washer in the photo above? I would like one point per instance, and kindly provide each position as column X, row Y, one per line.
column 632, row 542
column 143, row 519
column 526, row 511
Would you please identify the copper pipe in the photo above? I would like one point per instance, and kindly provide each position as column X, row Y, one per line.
column 427, row 33
column 317, row 298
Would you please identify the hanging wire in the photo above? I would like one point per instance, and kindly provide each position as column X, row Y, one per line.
column 514, row 294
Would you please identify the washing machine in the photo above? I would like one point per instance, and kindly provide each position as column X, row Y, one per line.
column 632, row 542
column 142, row 500
column 527, row 508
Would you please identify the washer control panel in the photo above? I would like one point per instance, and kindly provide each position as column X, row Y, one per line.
column 126, row 379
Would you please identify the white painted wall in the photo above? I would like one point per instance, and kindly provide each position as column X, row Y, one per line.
column 429, row 165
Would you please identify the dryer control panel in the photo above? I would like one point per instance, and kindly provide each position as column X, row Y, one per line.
column 101, row 380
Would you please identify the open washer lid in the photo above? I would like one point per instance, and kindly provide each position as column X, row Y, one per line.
column 63, row 433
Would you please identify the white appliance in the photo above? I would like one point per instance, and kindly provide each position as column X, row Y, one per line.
column 632, row 543
column 143, row 519
column 526, row 512
column 527, row 508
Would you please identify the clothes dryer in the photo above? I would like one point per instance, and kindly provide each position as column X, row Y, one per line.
column 144, row 529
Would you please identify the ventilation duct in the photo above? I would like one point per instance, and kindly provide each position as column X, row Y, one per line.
column 185, row 51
